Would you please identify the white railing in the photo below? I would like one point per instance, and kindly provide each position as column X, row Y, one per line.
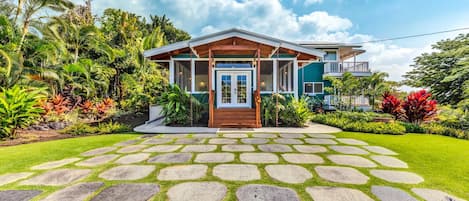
column 336, row 100
column 342, row 67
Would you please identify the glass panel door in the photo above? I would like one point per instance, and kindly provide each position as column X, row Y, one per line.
column 226, row 89
column 234, row 89
column 241, row 89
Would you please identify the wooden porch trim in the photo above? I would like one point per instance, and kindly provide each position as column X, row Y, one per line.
column 210, row 94
column 234, row 47
column 258, row 89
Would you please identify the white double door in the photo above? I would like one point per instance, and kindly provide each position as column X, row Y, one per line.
column 234, row 89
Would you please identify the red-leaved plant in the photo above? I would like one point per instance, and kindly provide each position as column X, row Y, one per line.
column 391, row 105
column 419, row 107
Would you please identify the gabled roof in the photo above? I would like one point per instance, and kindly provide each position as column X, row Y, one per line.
column 230, row 33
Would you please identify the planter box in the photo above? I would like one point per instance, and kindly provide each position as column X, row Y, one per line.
column 155, row 112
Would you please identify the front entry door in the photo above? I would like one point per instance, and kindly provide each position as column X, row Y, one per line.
column 234, row 89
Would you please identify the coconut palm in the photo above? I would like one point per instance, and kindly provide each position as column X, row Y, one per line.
column 375, row 86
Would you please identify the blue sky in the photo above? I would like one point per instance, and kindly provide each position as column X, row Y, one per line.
column 319, row 20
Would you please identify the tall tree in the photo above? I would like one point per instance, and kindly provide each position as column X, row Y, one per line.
column 444, row 71
column 172, row 34
column 375, row 86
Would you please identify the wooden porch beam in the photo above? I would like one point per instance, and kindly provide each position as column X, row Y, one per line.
column 234, row 47
column 258, row 89
column 210, row 91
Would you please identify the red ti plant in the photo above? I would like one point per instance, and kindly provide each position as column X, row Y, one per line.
column 87, row 107
column 419, row 107
column 60, row 104
column 391, row 105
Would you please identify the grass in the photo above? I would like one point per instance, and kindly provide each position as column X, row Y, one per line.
column 442, row 161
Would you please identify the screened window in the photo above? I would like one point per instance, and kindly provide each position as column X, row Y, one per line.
column 285, row 76
column 182, row 74
column 201, row 76
column 314, row 87
column 267, row 76
column 330, row 56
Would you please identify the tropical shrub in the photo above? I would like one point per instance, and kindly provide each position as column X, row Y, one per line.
column 19, row 108
column 419, row 108
column 438, row 129
column 271, row 107
column 79, row 129
column 296, row 112
column 176, row 105
column 112, row 127
column 412, row 128
column 391, row 105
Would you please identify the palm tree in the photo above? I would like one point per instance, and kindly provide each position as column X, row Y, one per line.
column 375, row 86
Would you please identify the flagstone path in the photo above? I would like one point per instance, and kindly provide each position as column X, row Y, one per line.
column 215, row 167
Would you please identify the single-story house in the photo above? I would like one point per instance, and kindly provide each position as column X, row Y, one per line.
column 233, row 69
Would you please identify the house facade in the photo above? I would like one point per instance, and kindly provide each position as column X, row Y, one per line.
column 232, row 70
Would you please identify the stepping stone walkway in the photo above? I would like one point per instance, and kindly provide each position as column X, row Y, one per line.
column 258, row 158
column 128, row 192
column 350, row 160
column 237, row 172
column 380, row 150
column 235, row 135
column 197, row 191
column 397, row 176
column 274, row 148
column 288, row 141
column 292, row 135
column 13, row 177
column 171, row 158
column 126, row 143
column 323, row 193
column 157, row 141
column 302, row 158
column 132, row 158
column 57, row 177
column 237, row 148
column 163, row 148
column 435, row 195
column 97, row 160
column 127, row 172
column 316, row 135
column 319, row 141
column 173, row 136
column 99, row 151
column 292, row 174
column 310, row 148
column 351, row 141
column 254, row 140
column 204, row 135
column 349, row 150
column 55, row 164
column 386, row 193
column 199, row 148
column 257, row 192
column 77, row 192
column 264, row 135
column 344, row 175
column 131, row 149
column 214, row 158
column 18, row 195
column 389, row 161
column 222, row 141
column 190, row 141
column 182, row 172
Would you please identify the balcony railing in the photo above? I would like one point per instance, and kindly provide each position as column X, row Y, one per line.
column 342, row 67
column 332, row 100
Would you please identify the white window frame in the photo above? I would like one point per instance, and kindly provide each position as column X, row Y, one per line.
column 313, row 83
column 336, row 53
column 293, row 71
column 193, row 80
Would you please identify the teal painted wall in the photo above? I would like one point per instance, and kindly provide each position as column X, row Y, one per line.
column 312, row 73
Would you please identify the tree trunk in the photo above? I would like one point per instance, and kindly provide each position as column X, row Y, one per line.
column 19, row 8
column 75, row 60
column 25, row 32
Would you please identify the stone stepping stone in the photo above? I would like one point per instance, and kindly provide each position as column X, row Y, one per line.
column 264, row 135
column 350, row 141
column 350, row 160
column 319, row 141
column 349, row 150
column 133, row 158
column 389, row 161
column 157, row 141
column 171, row 158
column 326, row 193
column 199, row 148
column 310, row 148
column 237, row 148
column 98, row 151
column 13, row 177
column 163, row 148
column 222, row 141
column 292, row 135
column 131, row 149
column 55, row 164
column 344, row 175
column 58, row 177
column 303, row 158
column 18, row 195
column 258, row 158
column 77, row 192
column 173, row 136
column 288, row 141
column 98, row 160
column 127, row 172
column 237, row 172
column 204, row 135
column 319, row 135
column 380, row 150
column 182, row 172
column 435, row 195
column 257, row 192
column 190, row 141
column 274, row 148
column 397, row 176
column 292, row 174
column 197, row 191
column 254, row 140
column 235, row 135
column 214, row 158
column 386, row 193
column 126, row 143
column 128, row 192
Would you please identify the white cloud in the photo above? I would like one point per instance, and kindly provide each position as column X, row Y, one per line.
column 311, row 2
column 323, row 22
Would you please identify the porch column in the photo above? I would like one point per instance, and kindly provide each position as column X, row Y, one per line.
column 295, row 78
column 258, row 89
column 210, row 89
